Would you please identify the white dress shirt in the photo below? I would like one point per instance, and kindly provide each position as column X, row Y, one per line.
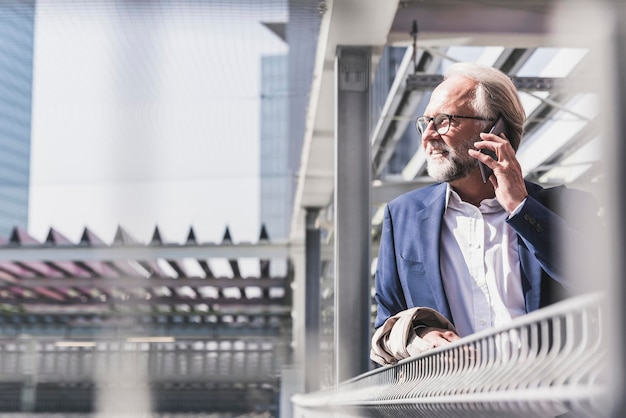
column 480, row 265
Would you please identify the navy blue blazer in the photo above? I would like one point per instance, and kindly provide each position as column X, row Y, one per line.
column 408, row 273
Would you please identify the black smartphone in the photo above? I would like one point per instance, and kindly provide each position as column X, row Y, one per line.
column 496, row 129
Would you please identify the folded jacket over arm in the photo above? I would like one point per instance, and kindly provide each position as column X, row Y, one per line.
column 397, row 338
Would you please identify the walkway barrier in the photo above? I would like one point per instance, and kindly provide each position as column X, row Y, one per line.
column 138, row 375
column 544, row 364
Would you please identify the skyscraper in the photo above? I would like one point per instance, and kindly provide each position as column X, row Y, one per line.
column 17, row 19
column 285, row 88
column 276, row 180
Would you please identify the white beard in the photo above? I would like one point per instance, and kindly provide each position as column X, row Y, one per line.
column 455, row 165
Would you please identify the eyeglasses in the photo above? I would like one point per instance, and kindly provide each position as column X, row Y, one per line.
column 441, row 122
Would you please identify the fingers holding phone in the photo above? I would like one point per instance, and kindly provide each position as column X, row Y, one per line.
column 497, row 129
column 505, row 173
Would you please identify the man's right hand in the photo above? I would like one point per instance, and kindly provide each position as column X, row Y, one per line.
column 436, row 336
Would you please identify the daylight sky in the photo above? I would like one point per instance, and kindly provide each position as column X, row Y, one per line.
column 148, row 117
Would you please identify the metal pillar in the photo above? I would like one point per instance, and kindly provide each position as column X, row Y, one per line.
column 29, row 370
column 352, row 211
column 312, row 302
column 617, row 328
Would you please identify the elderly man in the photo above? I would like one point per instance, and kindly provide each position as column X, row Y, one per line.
column 471, row 252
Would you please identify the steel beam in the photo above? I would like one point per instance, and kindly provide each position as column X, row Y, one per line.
column 430, row 81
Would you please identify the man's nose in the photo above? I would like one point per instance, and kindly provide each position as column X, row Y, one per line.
column 430, row 132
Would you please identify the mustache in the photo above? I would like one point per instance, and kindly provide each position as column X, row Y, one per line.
column 438, row 146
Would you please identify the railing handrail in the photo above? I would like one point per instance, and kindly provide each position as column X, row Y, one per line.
column 549, row 362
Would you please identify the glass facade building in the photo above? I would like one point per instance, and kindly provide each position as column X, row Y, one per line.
column 285, row 88
column 276, row 178
column 16, row 84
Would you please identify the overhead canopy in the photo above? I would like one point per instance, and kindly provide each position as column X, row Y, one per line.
column 549, row 61
column 152, row 284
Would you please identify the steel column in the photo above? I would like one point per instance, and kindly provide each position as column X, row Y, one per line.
column 352, row 211
column 312, row 302
column 616, row 90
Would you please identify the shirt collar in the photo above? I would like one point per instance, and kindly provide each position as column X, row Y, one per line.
column 454, row 200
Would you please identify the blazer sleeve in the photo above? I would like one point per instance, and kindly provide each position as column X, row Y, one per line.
column 552, row 219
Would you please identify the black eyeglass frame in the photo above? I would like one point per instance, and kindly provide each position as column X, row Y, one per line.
column 428, row 119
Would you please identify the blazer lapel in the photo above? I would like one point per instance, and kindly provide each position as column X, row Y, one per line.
column 429, row 219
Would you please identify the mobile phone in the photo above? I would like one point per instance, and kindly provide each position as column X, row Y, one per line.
column 496, row 129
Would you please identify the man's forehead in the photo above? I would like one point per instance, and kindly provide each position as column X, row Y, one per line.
column 454, row 91
column 455, row 87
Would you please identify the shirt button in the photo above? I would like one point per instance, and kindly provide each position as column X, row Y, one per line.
column 483, row 322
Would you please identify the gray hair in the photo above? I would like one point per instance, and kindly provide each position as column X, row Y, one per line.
column 495, row 94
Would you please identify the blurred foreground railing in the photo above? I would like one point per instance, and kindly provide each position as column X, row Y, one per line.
column 545, row 364
column 139, row 375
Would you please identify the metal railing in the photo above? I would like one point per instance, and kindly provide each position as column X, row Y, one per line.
column 39, row 374
column 544, row 364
